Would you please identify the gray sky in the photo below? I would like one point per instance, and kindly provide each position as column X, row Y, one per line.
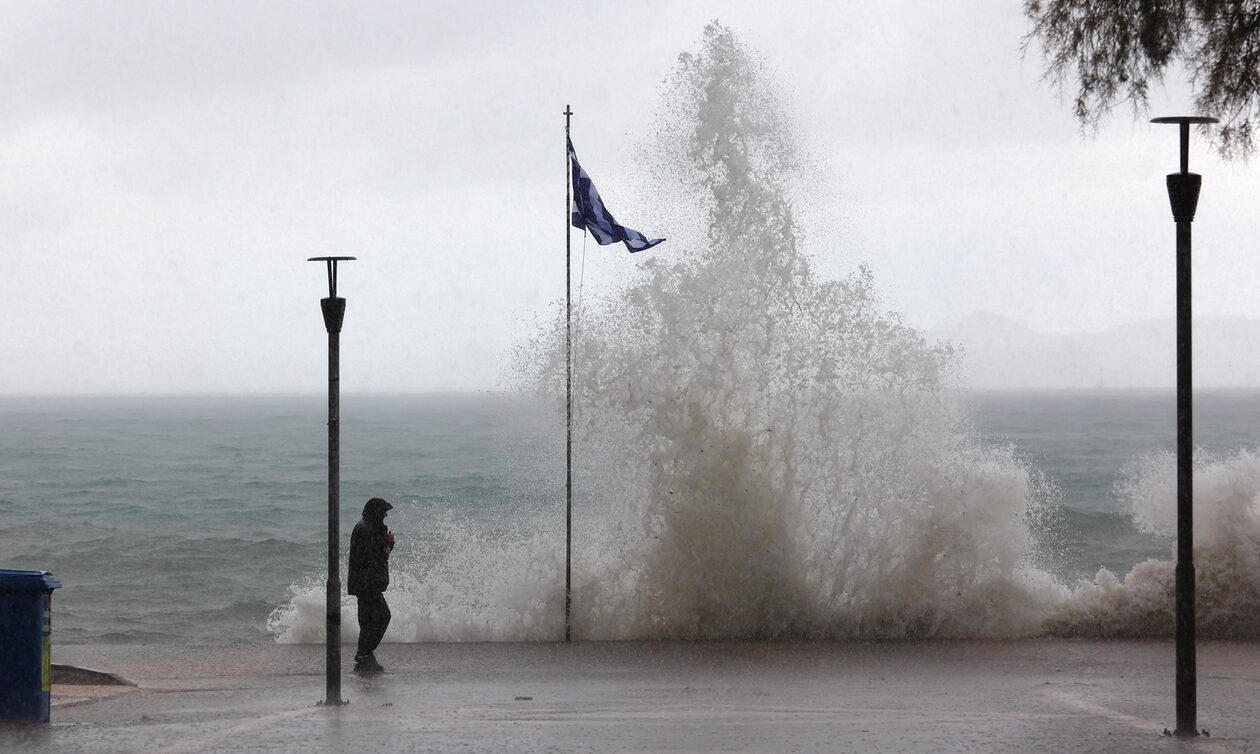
column 166, row 168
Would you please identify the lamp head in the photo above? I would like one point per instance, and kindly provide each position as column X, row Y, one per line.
column 332, row 271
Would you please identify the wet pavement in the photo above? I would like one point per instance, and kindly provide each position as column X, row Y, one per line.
column 973, row 696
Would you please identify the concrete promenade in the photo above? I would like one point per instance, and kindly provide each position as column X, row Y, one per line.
column 967, row 696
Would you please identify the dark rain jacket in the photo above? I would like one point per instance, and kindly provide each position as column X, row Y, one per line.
column 369, row 565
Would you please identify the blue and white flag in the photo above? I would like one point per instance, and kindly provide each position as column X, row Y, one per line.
column 589, row 213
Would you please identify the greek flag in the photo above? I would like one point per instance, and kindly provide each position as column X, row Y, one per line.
column 589, row 213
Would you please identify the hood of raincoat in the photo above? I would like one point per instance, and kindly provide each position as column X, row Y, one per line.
column 375, row 509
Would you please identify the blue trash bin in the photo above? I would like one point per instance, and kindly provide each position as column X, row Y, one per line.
column 25, row 649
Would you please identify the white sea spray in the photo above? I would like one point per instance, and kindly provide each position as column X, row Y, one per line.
column 764, row 453
column 1226, row 555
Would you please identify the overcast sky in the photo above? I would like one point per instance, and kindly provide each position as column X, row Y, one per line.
column 166, row 169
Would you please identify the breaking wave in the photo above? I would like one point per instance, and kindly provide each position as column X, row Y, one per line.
column 1226, row 556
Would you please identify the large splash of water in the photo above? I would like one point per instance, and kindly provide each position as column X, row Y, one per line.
column 792, row 462
column 764, row 453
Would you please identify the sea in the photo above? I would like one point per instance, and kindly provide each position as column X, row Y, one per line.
column 203, row 519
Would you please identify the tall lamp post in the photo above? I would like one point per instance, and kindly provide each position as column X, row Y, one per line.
column 334, row 311
column 1183, row 195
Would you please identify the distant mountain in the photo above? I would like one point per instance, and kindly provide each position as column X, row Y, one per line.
column 1000, row 354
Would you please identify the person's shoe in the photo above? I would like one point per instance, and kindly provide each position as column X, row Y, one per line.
column 368, row 666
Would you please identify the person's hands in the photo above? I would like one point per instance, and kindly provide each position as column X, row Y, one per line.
column 389, row 542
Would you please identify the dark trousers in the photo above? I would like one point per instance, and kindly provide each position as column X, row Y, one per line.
column 373, row 620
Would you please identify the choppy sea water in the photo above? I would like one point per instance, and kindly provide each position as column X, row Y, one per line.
column 202, row 519
column 188, row 518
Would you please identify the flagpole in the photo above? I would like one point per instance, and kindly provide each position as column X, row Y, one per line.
column 568, row 392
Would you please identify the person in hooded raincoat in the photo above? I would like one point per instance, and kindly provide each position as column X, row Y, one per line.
column 371, row 542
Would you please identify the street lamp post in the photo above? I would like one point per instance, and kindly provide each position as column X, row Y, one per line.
column 334, row 311
column 1183, row 195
